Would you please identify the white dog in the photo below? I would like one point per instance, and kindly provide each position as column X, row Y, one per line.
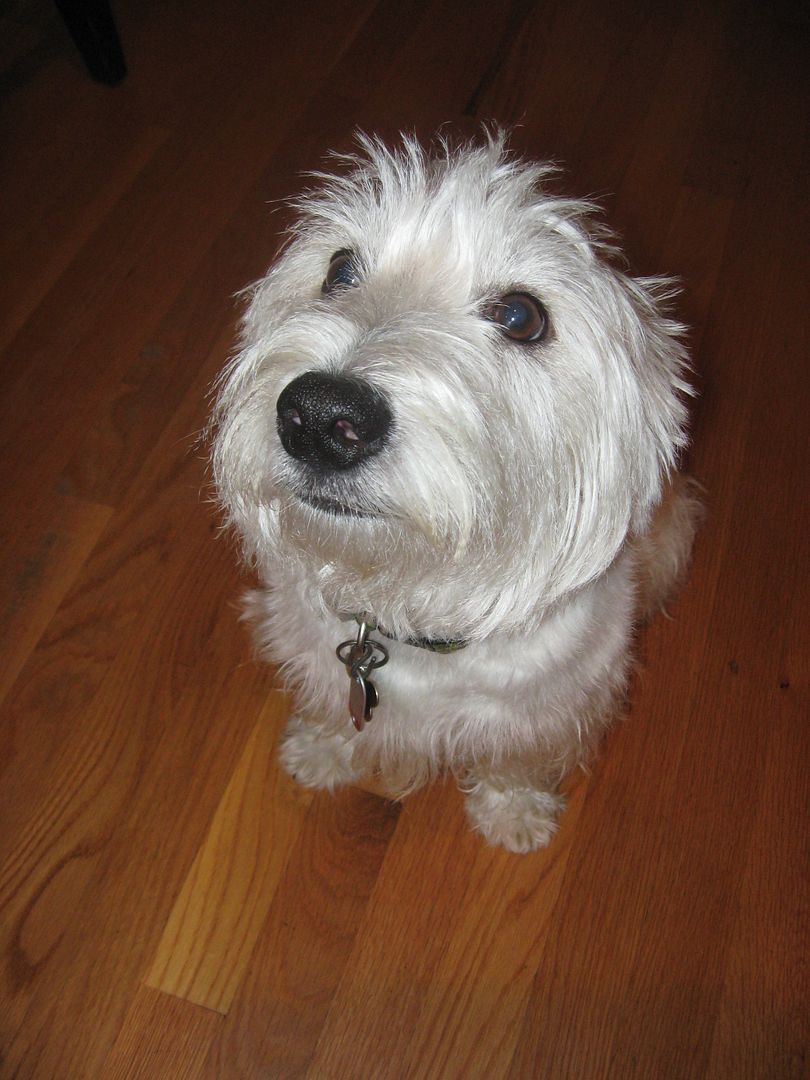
column 445, row 442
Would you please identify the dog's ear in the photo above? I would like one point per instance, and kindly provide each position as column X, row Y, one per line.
column 657, row 347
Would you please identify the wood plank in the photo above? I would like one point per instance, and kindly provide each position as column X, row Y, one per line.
column 762, row 1022
column 405, row 931
column 762, row 1025
column 43, row 554
column 119, row 595
column 656, row 170
column 491, row 956
column 579, row 101
column 163, row 1038
column 208, row 940
column 483, row 933
column 133, row 838
column 320, row 910
column 30, row 269
column 437, row 70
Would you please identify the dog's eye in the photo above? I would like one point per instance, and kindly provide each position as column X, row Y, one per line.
column 343, row 272
column 521, row 316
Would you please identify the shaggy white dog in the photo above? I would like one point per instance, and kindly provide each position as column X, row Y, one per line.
column 443, row 441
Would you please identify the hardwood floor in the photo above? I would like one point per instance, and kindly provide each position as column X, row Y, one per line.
column 171, row 906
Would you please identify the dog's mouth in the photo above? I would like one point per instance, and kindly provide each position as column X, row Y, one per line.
column 331, row 506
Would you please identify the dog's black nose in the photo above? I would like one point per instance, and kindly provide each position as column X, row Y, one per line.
column 332, row 421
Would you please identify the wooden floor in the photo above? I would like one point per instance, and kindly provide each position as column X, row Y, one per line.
column 173, row 908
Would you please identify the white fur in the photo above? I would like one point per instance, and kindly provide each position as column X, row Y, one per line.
column 509, row 507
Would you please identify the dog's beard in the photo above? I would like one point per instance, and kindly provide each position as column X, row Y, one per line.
column 419, row 574
column 365, row 530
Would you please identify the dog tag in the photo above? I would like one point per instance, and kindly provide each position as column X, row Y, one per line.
column 359, row 658
column 363, row 697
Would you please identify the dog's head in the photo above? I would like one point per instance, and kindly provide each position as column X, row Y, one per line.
column 448, row 407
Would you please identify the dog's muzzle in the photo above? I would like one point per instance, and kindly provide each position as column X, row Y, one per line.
column 332, row 422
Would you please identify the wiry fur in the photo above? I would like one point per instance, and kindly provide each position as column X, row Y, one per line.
column 512, row 506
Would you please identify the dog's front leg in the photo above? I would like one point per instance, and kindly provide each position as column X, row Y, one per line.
column 317, row 756
column 511, row 809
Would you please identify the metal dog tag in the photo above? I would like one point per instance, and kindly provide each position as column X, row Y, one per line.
column 363, row 697
column 360, row 657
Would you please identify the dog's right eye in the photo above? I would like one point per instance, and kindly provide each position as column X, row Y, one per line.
column 343, row 272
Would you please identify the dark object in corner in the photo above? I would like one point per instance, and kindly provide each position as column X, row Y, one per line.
column 92, row 28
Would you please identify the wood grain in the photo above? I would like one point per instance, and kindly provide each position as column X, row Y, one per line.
column 318, row 914
column 162, row 1038
column 43, row 552
column 171, row 906
column 208, row 940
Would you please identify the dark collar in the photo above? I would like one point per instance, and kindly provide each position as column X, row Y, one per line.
column 437, row 645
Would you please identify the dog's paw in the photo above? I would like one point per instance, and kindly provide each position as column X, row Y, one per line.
column 520, row 819
column 315, row 758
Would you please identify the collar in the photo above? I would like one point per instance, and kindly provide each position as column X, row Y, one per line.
column 436, row 645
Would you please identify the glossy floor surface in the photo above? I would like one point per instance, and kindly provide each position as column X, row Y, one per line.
column 171, row 906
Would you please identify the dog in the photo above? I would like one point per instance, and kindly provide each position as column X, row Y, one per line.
column 449, row 442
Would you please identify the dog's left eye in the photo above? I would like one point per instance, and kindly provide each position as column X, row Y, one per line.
column 520, row 315
column 343, row 272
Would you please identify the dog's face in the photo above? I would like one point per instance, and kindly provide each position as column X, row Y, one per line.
column 448, row 408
